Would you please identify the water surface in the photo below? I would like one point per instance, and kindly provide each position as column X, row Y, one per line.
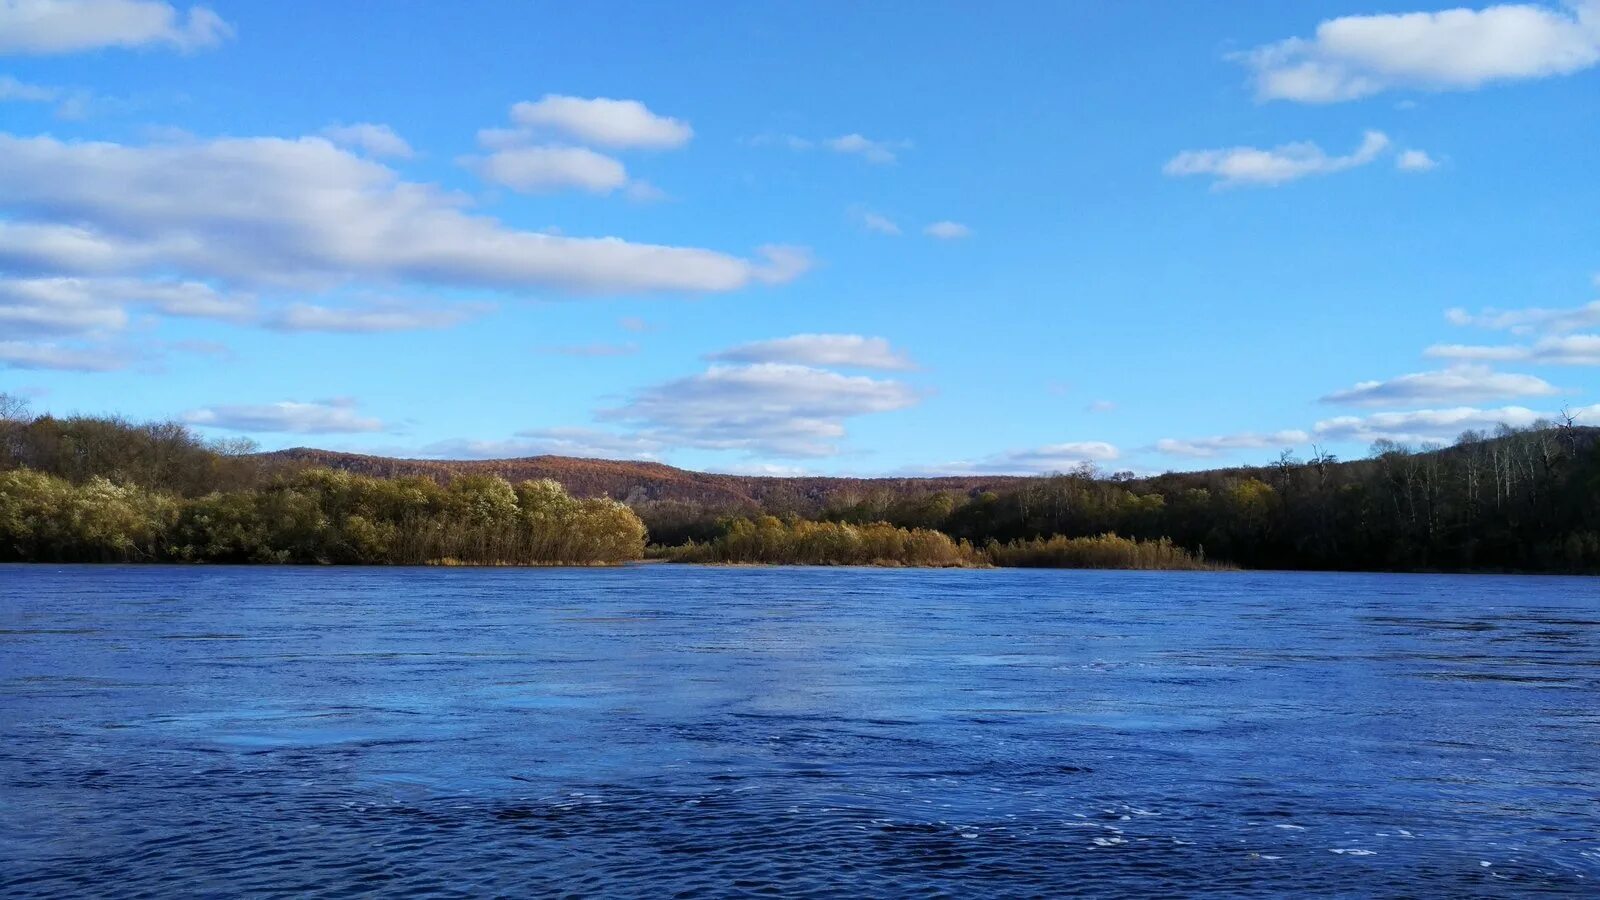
column 664, row 730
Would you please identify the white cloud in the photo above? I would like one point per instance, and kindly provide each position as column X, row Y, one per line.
column 1528, row 321
column 1052, row 458
column 1101, row 406
column 587, row 443
column 95, row 306
column 846, row 350
column 640, row 191
column 778, row 409
column 603, row 121
column 71, row 103
column 1415, row 161
column 793, row 142
column 286, row 417
column 39, row 307
column 1425, row 425
column 1453, row 49
column 1045, row 460
column 1556, row 350
column 69, row 26
column 1201, row 448
column 947, row 231
column 12, row 89
column 87, row 305
column 764, row 470
column 1410, row 427
column 24, row 355
column 540, row 169
column 1240, row 166
column 369, row 318
column 374, row 139
column 269, row 210
column 872, row 151
column 877, row 222
column 1463, row 383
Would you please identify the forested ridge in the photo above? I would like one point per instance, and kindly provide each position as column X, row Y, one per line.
column 91, row 488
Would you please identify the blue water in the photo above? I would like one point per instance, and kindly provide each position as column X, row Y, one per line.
column 665, row 730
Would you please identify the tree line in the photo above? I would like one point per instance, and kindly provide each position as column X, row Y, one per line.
column 105, row 488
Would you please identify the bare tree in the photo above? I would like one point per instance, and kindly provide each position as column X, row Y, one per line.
column 13, row 408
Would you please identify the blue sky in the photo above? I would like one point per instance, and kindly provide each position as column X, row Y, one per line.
column 838, row 238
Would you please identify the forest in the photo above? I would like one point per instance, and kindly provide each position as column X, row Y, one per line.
column 104, row 489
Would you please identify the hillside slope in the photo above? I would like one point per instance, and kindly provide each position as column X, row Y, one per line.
column 636, row 481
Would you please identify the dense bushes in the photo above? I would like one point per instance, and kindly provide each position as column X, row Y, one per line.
column 314, row 516
column 1106, row 551
column 799, row 542
column 773, row 541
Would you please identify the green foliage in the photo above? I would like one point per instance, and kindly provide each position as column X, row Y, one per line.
column 314, row 516
column 770, row 540
column 1106, row 551
column 50, row 519
column 82, row 488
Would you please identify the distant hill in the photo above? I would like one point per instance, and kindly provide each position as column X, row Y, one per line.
column 635, row 481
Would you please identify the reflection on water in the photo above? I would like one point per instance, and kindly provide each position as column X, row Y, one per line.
column 663, row 730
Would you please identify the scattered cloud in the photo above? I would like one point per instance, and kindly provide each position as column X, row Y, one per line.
column 640, row 191
column 1052, row 458
column 587, row 443
column 98, row 306
column 39, row 307
column 764, row 470
column 18, row 91
column 63, row 306
column 778, row 409
column 635, row 324
column 541, row 169
column 1556, row 350
column 41, row 27
column 373, row 139
column 1415, row 161
column 620, row 124
column 1531, row 320
column 71, row 104
column 1045, row 460
column 25, row 355
column 369, row 318
column 1101, row 406
column 947, row 231
column 287, row 417
column 880, row 152
column 1204, row 448
column 877, row 222
column 1454, row 49
column 270, row 210
column 844, row 350
column 1457, row 384
column 1252, row 166
column 792, row 142
column 1419, row 426
column 1428, row 425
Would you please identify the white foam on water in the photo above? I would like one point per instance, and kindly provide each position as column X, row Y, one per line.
column 1352, row 851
